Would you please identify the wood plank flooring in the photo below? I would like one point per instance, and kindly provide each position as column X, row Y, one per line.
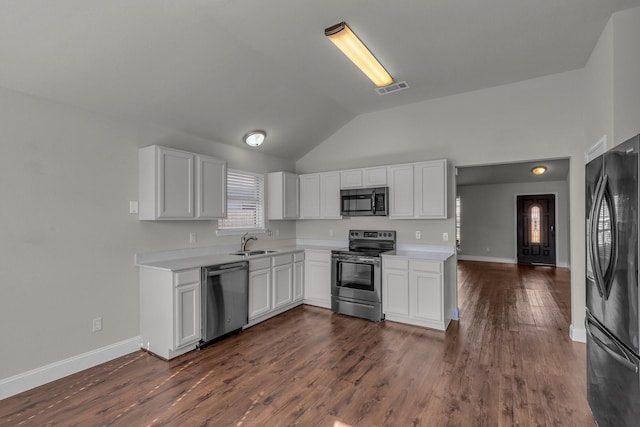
column 508, row 361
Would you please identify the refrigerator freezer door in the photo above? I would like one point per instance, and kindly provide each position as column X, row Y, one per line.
column 613, row 384
column 612, row 245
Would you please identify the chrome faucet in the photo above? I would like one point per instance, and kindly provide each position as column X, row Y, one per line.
column 244, row 240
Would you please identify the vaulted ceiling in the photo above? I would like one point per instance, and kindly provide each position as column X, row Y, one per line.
column 219, row 68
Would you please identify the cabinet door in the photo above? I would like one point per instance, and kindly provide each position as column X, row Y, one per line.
column 396, row 292
column 426, row 296
column 351, row 178
column 375, row 177
column 211, row 187
column 282, row 285
column 400, row 191
column 330, row 197
column 175, row 184
column 310, row 196
column 298, row 281
column 431, row 189
column 291, row 196
column 317, row 281
column 259, row 292
column 186, row 314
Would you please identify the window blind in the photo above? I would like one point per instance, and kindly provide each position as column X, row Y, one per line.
column 245, row 201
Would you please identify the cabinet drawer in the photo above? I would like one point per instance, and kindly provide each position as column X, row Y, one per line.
column 396, row 263
column 186, row 276
column 298, row 256
column 428, row 266
column 260, row 264
column 282, row 259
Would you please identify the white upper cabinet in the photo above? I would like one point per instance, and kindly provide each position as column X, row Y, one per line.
column 283, row 195
column 431, row 189
column 401, row 191
column 320, row 196
column 211, row 187
column 351, row 178
column 175, row 184
column 330, row 195
column 375, row 177
column 418, row 190
column 310, row 196
column 369, row 177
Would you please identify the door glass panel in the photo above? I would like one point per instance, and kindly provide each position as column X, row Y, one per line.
column 535, row 224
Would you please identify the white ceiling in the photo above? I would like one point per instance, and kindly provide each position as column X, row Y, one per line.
column 219, row 68
column 510, row 173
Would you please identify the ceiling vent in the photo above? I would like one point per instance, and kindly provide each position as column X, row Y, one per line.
column 392, row 88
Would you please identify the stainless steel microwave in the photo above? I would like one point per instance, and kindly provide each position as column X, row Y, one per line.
column 364, row 202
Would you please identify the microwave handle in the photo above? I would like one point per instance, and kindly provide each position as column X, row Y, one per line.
column 373, row 202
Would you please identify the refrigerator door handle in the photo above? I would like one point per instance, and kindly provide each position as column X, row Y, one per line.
column 593, row 231
column 602, row 276
column 620, row 356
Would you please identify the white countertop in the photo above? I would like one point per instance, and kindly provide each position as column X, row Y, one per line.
column 182, row 261
column 423, row 255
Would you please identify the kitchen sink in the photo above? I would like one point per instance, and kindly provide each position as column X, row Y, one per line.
column 256, row 252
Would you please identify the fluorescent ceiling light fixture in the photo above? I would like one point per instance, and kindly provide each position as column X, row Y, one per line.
column 255, row 137
column 342, row 36
column 539, row 170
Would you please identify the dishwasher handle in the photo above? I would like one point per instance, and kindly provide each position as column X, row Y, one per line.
column 226, row 268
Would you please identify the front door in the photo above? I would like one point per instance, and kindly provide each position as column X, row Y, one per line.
column 536, row 229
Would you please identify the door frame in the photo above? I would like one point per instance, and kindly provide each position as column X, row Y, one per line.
column 515, row 221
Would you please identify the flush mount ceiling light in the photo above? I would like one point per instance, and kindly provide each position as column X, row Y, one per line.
column 539, row 170
column 342, row 36
column 255, row 137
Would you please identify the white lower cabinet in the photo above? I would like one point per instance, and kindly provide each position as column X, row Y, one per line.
column 282, row 280
column 298, row 276
column 273, row 284
column 170, row 318
column 317, row 278
column 415, row 291
column 259, row 287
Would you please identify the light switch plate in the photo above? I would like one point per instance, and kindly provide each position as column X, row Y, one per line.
column 133, row 207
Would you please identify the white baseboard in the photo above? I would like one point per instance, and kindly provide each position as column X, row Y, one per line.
column 486, row 259
column 577, row 334
column 54, row 371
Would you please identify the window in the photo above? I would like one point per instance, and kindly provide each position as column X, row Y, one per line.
column 245, row 203
column 535, row 224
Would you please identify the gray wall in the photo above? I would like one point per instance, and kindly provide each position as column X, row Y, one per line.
column 488, row 220
column 67, row 241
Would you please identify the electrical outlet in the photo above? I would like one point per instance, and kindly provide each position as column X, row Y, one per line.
column 331, row 232
column 277, row 232
column 269, row 233
column 97, row 324
column 193, row 237
column 417, row 235
column 133, row 207
column 445, row 236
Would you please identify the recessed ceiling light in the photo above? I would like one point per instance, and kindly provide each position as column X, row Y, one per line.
column 539, row 170
column 255, row 137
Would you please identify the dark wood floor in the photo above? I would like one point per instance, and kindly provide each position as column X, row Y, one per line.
column 508, row 361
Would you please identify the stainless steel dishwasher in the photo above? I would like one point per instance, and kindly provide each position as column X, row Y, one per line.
column 225, row 300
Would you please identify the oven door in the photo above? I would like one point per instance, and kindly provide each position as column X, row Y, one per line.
column 356, row 277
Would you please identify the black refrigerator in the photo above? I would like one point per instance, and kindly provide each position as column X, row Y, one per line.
column 612, row 322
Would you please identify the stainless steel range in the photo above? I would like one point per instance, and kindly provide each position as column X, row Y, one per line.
column 356, row 274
